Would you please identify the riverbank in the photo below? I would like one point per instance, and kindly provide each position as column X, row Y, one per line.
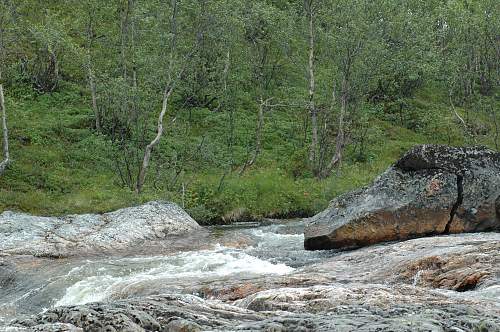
column 61, row 166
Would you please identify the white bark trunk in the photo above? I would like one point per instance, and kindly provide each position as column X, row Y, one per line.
column 5, row 134
column 258, row 133
column 90, row 73
column 312, row 87
column 93, row 93
column 166, row 97
column 340, row 140
column 497, row 131
column 258, row 136
column 134, row 64
column 462, row 121
column 149, row 148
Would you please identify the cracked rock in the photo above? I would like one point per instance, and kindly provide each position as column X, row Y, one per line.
column 432, row 189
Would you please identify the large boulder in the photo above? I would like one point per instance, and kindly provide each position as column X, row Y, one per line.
column 64, row 236
column 432, row 189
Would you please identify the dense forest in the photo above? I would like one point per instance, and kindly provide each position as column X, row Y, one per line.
column 234, row 109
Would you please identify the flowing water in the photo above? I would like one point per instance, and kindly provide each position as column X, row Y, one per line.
column 224, row 254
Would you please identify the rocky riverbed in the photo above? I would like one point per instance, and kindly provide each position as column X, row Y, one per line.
column 259, row 278
column 153, row 268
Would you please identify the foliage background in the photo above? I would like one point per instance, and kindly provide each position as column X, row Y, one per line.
column 417, row 62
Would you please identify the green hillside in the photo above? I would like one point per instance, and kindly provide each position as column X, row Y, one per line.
column 389, row 77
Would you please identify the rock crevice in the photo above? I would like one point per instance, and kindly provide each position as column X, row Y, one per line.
column 458, row 203
column 432, row 189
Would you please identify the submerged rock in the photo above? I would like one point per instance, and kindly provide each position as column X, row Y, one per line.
column 64, row 236
column 431, row 190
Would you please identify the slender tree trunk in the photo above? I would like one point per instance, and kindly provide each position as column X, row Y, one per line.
column 93, row 93
column 462, row 121
column 166, row 97
column 55, row 63
column 124, row 35
column 222, row 104
column 258, row 133
column 149, row 148
column 90, row 72
column 134, row 64
column 258, row 136
column 340, row 140
column 225, row 74
column 5, row 134
column 497, row 130
column 312, row 87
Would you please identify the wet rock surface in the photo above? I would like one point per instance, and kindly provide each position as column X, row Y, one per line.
column 431, row 190
column 320, row 308
column 7, row 273
column 412, row 285
column 24, row 234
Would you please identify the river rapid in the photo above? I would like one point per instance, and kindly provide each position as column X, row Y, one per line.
column 224, row 254
column 264, row 270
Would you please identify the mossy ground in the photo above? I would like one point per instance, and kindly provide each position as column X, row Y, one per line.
column 61, row 166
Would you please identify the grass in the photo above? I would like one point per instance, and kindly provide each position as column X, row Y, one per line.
column 60, row 166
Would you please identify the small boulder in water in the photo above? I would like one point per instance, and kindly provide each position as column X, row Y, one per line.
column 64, row 236
column 431, row 190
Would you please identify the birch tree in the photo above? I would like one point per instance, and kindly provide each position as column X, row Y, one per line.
column 89, row 66
column 310, row 8
column 352, row 56
column 469, row 56
column 5, row 134
column 265, row 33
column 173, row 76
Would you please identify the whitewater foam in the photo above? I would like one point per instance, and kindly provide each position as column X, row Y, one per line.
column 109, row 278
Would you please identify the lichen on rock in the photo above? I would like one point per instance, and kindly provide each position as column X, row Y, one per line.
column 432, row 189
